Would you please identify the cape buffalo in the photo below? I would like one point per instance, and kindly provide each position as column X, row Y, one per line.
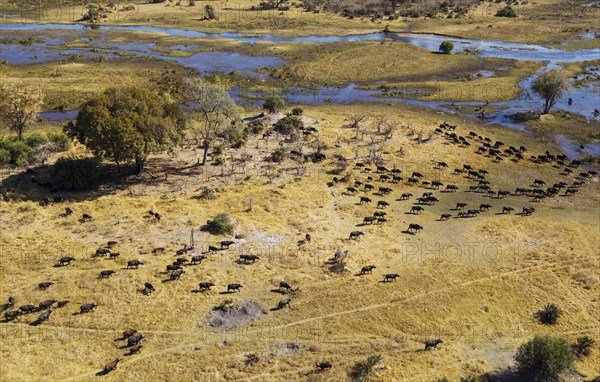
column 106, row 274
column 367, row 269
column 206, row 286
column 44, row 285
column 432, row 343
column 111, row 366
column 86, row 308
column 198, row 259
column 134, row 263
column 356, row 234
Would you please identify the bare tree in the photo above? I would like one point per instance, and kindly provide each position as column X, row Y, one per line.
column 355, row 120
column 389, row 131
column 378, row 123
column 213, row 112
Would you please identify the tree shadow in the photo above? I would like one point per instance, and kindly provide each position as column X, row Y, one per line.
column 36, row 185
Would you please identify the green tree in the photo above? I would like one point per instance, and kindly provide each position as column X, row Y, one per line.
column 19, row 106
column 127, row 124
column 220, row 224
column 289, row 125
column 507, row 11
column 274, row 103
column 213, row 113
column 544, row 357
column 550, row 86
column 446, row 46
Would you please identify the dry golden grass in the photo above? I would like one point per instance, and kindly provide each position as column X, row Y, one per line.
column 481, row 301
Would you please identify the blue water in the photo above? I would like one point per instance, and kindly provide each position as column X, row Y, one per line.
column 585, row 99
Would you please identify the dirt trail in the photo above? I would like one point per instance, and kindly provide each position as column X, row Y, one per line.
column 545, row 266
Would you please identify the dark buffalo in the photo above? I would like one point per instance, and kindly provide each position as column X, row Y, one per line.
column 284, row 303
column 129, row 333
column 206, row 286
column 45, row 285
column 9, row 316
column 367, row 269
column 66, row 260
column 134, row 263
column 382, row 204
column 285, row 286
column 225, row 244
column 86, row 308
column 134, row 340
column 198, row 259
column 149, row 287
column 432, row 343
column 416, row 210
column 106, row 273
column 24, row 309
column 46, row 304
column 356, row 234
column 102, row 252
column 44, row 316
column 527, row 211
column 414, row 227
column 111, row 366
column 390, row 277
column 323, row 366
column 249, row 258
column 177, row 274
column 233, row 287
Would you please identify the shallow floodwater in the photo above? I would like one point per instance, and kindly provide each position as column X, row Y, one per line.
column 585, row 99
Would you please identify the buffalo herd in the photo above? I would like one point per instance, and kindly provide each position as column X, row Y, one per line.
column 496, row 151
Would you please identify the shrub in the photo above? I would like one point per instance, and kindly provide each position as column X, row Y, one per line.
column 550, row 314
column 254, row 127
column 446, row 47
column 220, row 224
column 471, row 378
column 544, row 357
column 4, row 156
column 210, row 13
column 289, row 125
column 36, row 139
column 583, row 346
column 506, row 12
column 208, row 194
column 274, row 103
column 60, row 141
column 277, row 156
column 297, row 111
column 19, row 152
column 75, row 174
column 361, row 370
